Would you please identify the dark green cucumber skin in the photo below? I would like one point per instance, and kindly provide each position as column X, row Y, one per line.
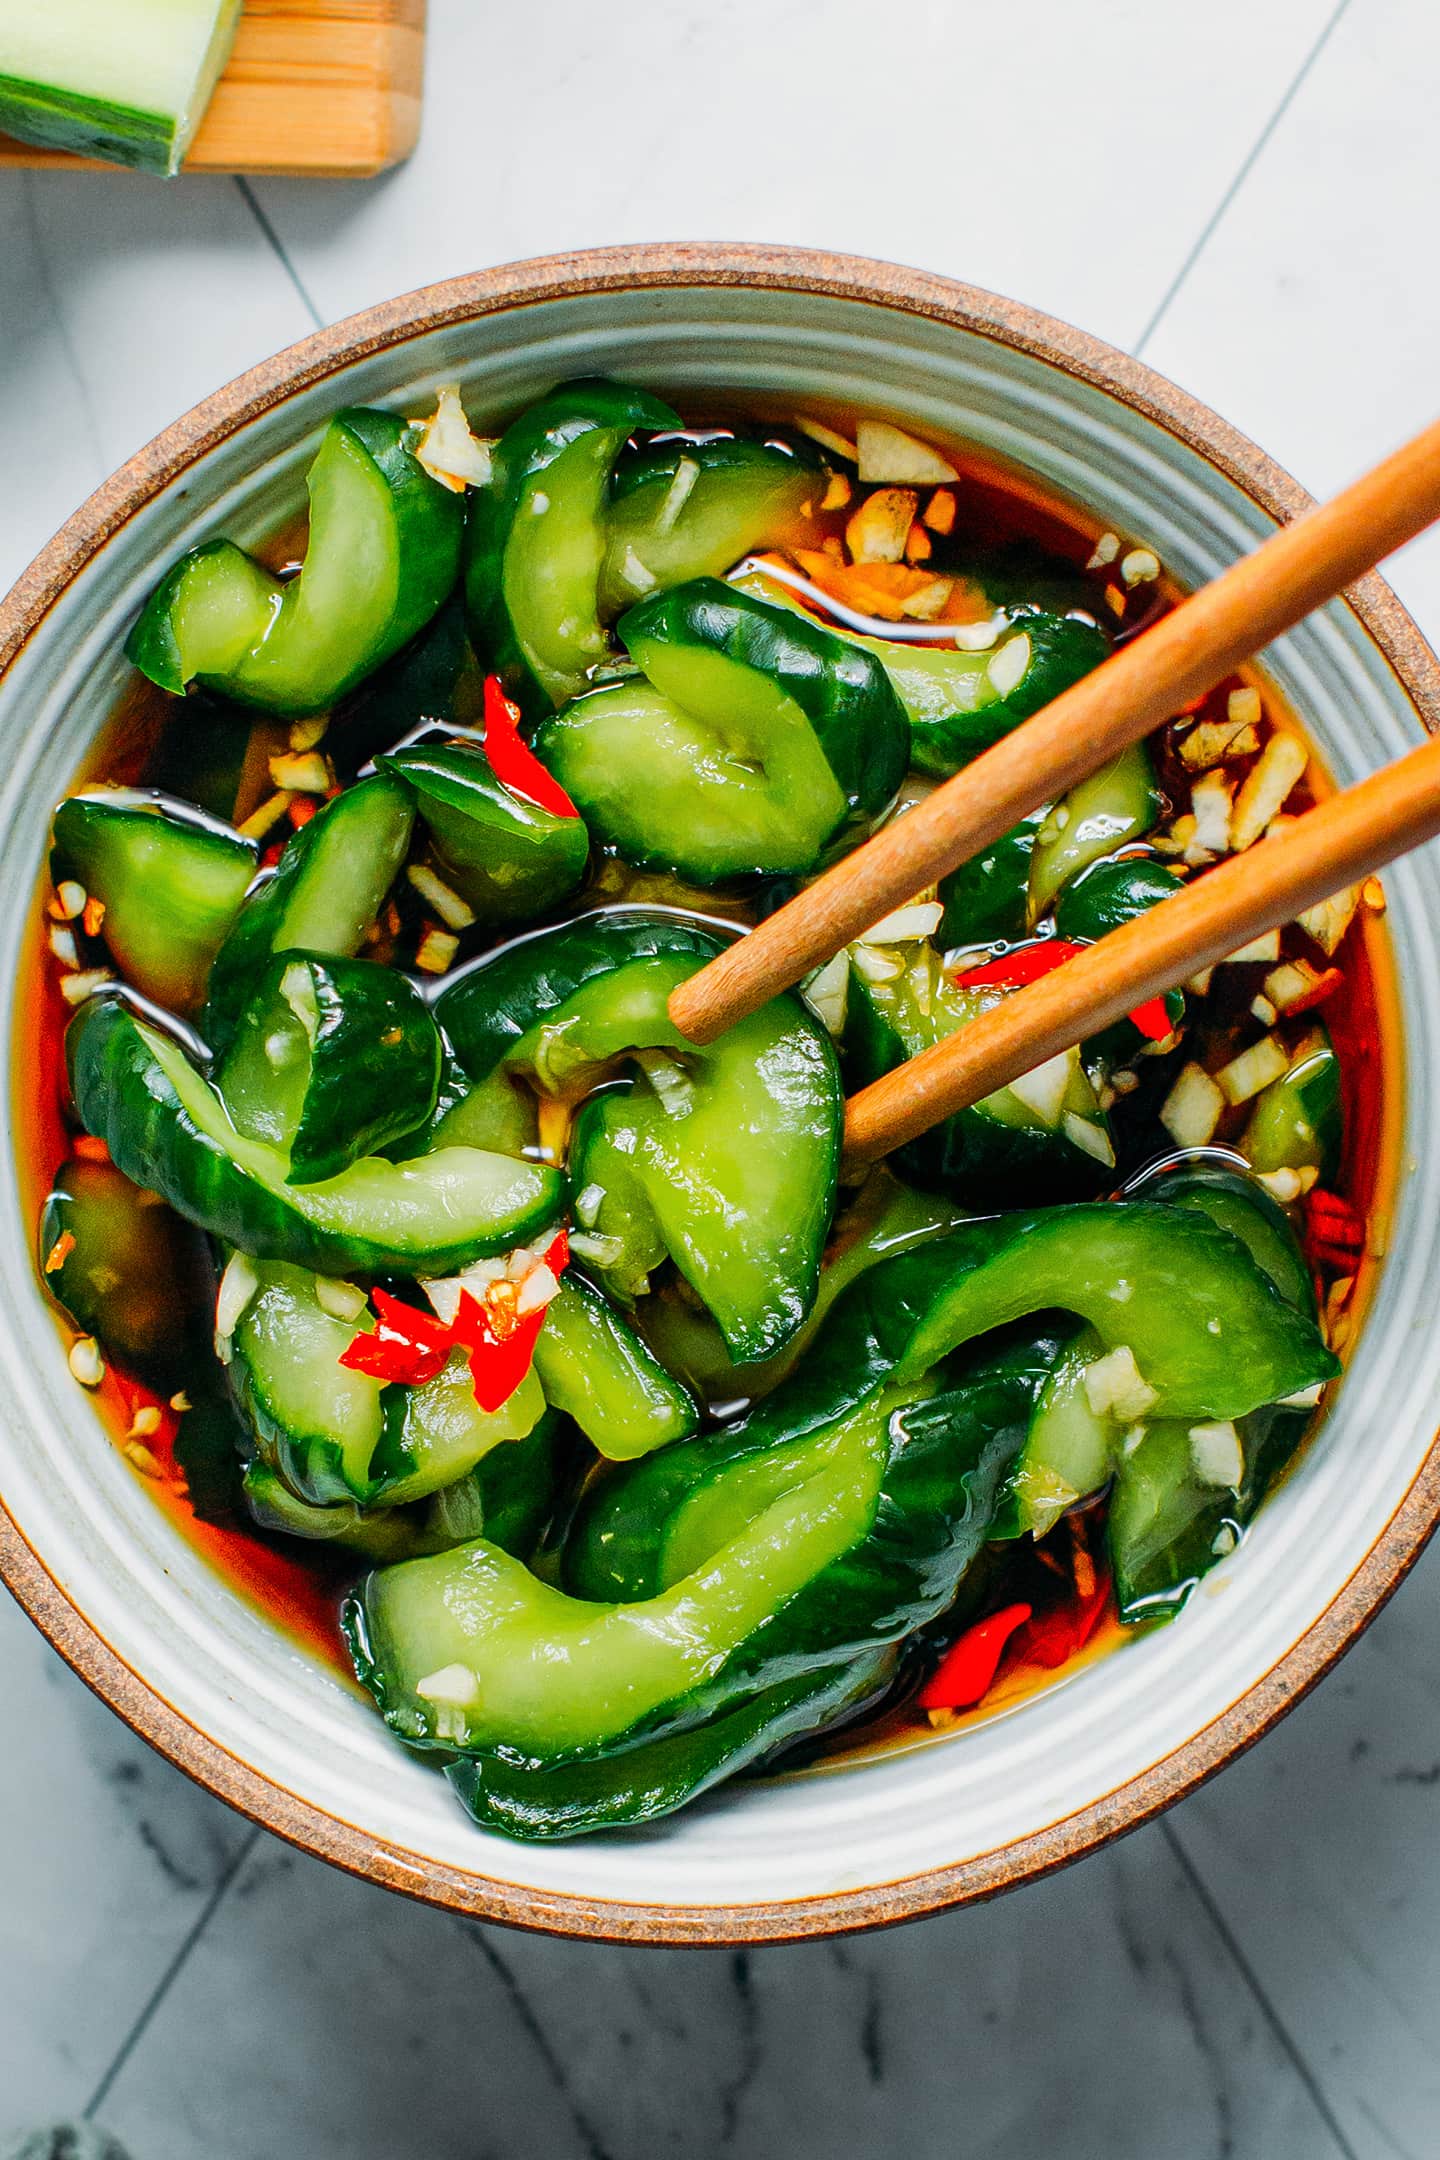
column 136, row 1277
column 151, row 645
column 1110, row 893
column 374, row 1067
column 430, row 521
column 529, row 445
column 88, row 127
column 969, row 1156
column 622, row 1380
column 123, row 1098
column 172, row 886
column 485, row 1011
column 509, row 1498
column 506, row 856
column 1062, row 650
column 1156, row 1584
column 841, row 688
column 381, row 812
column 652, row 1779
column 984, row 900
column 773, row 477
column 421, row 683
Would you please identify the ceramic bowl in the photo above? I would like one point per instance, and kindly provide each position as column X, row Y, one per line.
column 222, row 1693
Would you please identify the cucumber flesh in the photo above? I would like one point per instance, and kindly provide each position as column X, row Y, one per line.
column 170, row 881
column 508, row 857
column 126, row 84
column 683, row 510
column 1100, row 814
column 328, row 887
column 168, row 1130
column 124, row 1268
column 382, row 554
column 333, row 1059
column 595, row 1368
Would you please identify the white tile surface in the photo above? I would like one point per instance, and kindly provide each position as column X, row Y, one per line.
column 108, row 1857
column 1029, row 147
column 1097, row 2017
column 1285, row 1979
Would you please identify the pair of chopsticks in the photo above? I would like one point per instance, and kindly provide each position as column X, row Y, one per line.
column 1141, row 686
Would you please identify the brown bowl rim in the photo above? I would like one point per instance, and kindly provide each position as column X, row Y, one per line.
column 1393, row 1552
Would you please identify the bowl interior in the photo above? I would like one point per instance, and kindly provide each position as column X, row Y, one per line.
column 821, row 1848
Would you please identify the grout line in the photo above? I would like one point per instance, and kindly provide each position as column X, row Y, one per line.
column 167, row 1979
column 253, row 204
column 1246, row 168
column 1281, row 2031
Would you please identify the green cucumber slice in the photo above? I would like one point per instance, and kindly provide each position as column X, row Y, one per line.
column 537, row 538
column 170, row 880
column 168, row 1130
column 1299, row 1119
column 383, row 553
column 125, row 1268
column 328, row 887
column 506, row 856
column 332, row 1059
column 739, row 1170
column 682, row 510
column 1003, row 1151
column 756, row 738
column 336, row 1435
column 129, row 85
column 1118, row 803
column 597, row 1370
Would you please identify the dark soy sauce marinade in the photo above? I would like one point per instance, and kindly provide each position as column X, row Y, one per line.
column 1010, row 544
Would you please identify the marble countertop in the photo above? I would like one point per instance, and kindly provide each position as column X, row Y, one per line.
column 1243, row 194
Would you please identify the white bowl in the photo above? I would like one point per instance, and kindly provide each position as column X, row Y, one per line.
column 197, row 1670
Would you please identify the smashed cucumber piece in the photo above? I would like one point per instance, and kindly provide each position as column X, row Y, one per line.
column 595, row 1368
column 508, row 858
column 383, row 553
column 538, row 537
column 327, row 889
column 735, row 1146
column 167, row 1129
column 1046, row 1137
column 1299, row 1119
column 690, row 508
column 124, row 1267
column 750, row 741
column 170, row 880
column 332, row 1434
column 332, row 1059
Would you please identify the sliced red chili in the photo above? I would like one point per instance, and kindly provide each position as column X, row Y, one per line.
column 1053, row 1637
column 1334, row 1232
column 497, row 1365
column 406, row 1346
column 514, row 763
column 1013, row 970
column 557, row 1253
column 969, row 1666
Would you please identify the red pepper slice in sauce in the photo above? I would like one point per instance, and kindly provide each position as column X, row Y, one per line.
column 1012, row 971
column 407, row 1346
column 969, row 1666
column 514, row 763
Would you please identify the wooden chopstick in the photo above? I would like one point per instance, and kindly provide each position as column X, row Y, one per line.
column 1332, row 846
column 1138, row 688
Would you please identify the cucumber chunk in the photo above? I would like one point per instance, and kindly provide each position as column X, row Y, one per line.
column 128, row 85
column 336, row 1435
column 756, row 738
column 1299, row 1119
column 537, row 538
column 683, row 510
column 332, row 1059
column 123, row 1267
column 168, row 1130
column 735, row 1146
column 383, row 553
column 171, row 883
column 597, row 1370
column 1118, row 803
column 328, row 887
column 503, row 854
column 1006, row 1151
